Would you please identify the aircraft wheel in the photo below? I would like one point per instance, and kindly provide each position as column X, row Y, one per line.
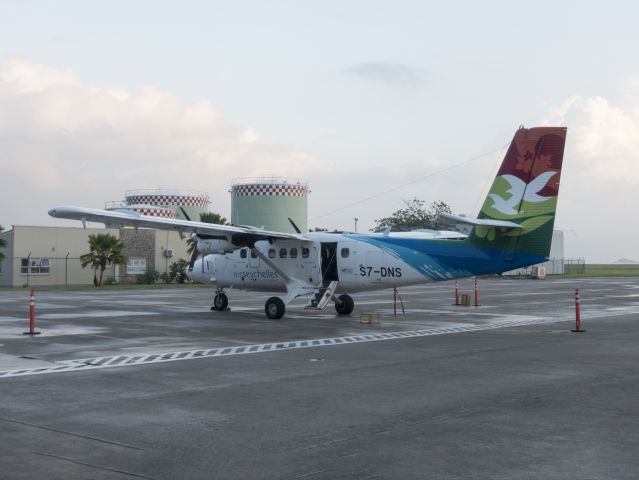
column 344, row 305
column 274, row 308
column 220, row 302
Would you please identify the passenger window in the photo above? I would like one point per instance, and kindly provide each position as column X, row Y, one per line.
column 293, row 252
column 253, row 254
column 305, row 252
column 243, row 253
column 282, row 253
column 345, row 252
column 271, row 253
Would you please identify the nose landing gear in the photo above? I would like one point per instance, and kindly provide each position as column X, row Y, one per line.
column 220, row 301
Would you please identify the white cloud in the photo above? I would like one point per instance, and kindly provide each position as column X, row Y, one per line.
column 64, row 140
column 604, row 137
column 600, row 176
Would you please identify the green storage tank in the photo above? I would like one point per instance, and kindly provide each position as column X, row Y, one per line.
column 268, row 202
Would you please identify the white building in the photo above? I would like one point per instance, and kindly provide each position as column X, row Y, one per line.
column 51, row 255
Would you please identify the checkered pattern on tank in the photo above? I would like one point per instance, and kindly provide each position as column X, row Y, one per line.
column 260, row 189
column 156, row 212
column 183, row 200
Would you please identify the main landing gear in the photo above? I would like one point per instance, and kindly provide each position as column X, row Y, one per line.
column 274, row 308
column 220, row 301
column 344, row 304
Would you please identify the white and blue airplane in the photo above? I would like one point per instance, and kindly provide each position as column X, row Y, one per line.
column 513, row 230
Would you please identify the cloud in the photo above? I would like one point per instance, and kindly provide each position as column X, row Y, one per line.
column 390, row 73
column 61, row 138
column 600, row 175
column 604, row 137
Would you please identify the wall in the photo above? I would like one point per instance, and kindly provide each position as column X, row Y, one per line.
column 62, row 246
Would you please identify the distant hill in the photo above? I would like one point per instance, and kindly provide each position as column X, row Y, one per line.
column 625, row 261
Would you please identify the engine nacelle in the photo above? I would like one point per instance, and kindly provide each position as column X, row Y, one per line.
column 207, row 246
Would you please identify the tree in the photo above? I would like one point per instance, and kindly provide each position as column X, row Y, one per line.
column 178, row 271
column 414, row 216
column 104, row 250
column 212, row 217
column 206, row 217
column 3, row 244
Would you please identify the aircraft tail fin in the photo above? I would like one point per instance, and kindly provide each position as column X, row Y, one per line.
column 525, row 193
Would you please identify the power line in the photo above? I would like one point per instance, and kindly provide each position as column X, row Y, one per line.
column 421, row 179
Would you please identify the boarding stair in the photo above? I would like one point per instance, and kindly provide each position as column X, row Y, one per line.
column 322, row 295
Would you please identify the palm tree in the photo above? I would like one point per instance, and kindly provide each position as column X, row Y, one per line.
column 104, row 250
column 206, row 217
column 212, row 217
column 3, row 244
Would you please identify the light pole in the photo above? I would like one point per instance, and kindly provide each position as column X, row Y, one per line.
column 355, row 223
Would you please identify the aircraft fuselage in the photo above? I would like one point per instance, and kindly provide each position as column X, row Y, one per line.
column 355, row 264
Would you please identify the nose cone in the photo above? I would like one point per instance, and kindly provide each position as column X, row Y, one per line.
column 52, row 212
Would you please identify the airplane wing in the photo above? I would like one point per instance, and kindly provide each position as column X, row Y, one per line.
column 483, row 222
column 239, row 236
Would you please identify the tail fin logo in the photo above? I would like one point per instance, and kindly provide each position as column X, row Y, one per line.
column 520, row 190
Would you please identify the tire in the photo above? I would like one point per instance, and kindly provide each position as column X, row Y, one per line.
column 274, row 308
column 220, row 302
column 345, row 305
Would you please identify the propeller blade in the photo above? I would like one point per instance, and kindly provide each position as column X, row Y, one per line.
column 185, row 214
column 294, row 226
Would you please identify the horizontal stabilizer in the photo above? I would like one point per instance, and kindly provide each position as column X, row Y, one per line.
column 482, row 222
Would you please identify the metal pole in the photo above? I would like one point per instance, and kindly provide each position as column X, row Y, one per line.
column 456, row 292
column 394, row 301
column 66, row 271
column 476, row 294
column 28, row 267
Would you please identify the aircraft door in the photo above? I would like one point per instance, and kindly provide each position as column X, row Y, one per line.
column 329, row 261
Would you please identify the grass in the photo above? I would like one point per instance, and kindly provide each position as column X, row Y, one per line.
column 612, row 270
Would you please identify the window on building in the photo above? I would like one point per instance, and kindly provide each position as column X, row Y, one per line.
column 243, row 253
column 271, row 253
column 282, row 253
column 345, row 252
column 35, row 266
column 293, row 252
column 136, row 266
column 305, row 252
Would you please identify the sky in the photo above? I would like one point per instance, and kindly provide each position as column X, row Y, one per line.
column 372, row 102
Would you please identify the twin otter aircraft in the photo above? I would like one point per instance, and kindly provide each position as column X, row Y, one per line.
column 513, row 229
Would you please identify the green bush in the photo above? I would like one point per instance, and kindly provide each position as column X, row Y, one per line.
column 148, row 278
column 178, row 271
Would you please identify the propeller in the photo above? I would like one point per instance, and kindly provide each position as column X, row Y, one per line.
column 194, row 238
column 294, row 226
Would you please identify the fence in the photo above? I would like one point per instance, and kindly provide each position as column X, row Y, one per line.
column 65, row 271
column 554, row 266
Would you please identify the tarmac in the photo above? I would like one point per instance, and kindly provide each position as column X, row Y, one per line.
column 151, row 384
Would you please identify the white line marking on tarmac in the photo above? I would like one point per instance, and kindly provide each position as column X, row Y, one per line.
column 145, row 359
column 96, row 314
